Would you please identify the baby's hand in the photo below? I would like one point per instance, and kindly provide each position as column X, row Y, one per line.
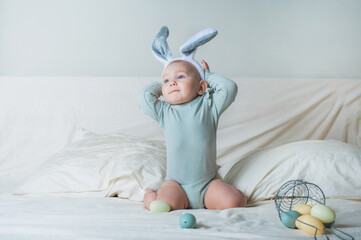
column 205, row 65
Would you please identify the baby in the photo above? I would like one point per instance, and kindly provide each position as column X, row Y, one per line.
column 189, row 117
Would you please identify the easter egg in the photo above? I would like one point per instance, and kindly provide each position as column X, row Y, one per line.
column 187, row 220
column 302, row 209
column 303, row 220
column 324, row 213
column 159, row 206
column 289, row 218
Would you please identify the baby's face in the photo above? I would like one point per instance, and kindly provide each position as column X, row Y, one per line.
column 181, row 83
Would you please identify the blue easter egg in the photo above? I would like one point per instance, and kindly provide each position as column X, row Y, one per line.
column 289, row 218
column 187, row 220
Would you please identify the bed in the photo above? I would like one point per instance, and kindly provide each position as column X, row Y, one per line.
column 77, row 154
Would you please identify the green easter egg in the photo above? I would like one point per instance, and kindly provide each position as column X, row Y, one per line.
column 159, row 206
column 324, row 213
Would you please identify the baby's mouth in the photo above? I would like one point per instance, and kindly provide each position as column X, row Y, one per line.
column 173, row 91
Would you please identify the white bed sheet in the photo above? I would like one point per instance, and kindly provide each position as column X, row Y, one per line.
column 67, row 217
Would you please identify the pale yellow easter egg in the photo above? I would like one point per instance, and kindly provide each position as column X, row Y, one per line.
column 302, row 221
column 302, row 209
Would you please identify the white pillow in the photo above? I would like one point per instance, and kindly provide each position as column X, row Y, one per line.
column 334, row 166
column 103, row 165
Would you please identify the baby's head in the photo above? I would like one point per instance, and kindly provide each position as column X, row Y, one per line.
column 182, row 83
column 183, row 78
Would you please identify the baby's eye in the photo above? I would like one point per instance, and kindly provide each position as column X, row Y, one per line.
column 165, row 80
column 181, row 76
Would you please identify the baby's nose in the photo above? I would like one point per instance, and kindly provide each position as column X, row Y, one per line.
column 172, row 83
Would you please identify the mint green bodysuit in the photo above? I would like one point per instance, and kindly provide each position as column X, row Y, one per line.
column 190, row 133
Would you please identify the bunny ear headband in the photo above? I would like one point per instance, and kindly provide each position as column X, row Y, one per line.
column 162, row 52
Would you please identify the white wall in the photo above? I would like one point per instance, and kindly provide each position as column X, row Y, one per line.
column 257, row 38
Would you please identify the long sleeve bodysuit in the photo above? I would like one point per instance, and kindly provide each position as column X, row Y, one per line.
column 190, row 133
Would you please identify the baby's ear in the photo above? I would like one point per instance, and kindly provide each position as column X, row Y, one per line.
column 202, row 87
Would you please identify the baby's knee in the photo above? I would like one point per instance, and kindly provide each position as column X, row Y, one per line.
column 243, row 199
column 176, row 204
column 235, row 201
column 173, row 194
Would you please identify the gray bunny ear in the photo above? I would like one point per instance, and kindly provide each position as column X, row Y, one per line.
column 160, row 46
column 198, row 39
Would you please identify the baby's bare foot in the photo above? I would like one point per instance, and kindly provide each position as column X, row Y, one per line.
column 149, row 196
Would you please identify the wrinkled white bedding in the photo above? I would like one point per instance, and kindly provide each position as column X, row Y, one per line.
column 126, row 166
column 65, row 217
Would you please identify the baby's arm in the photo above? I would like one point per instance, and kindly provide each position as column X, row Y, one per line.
column 148, row 99
column 225, row 90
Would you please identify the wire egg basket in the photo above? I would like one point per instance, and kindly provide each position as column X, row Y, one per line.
column 297, row 192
